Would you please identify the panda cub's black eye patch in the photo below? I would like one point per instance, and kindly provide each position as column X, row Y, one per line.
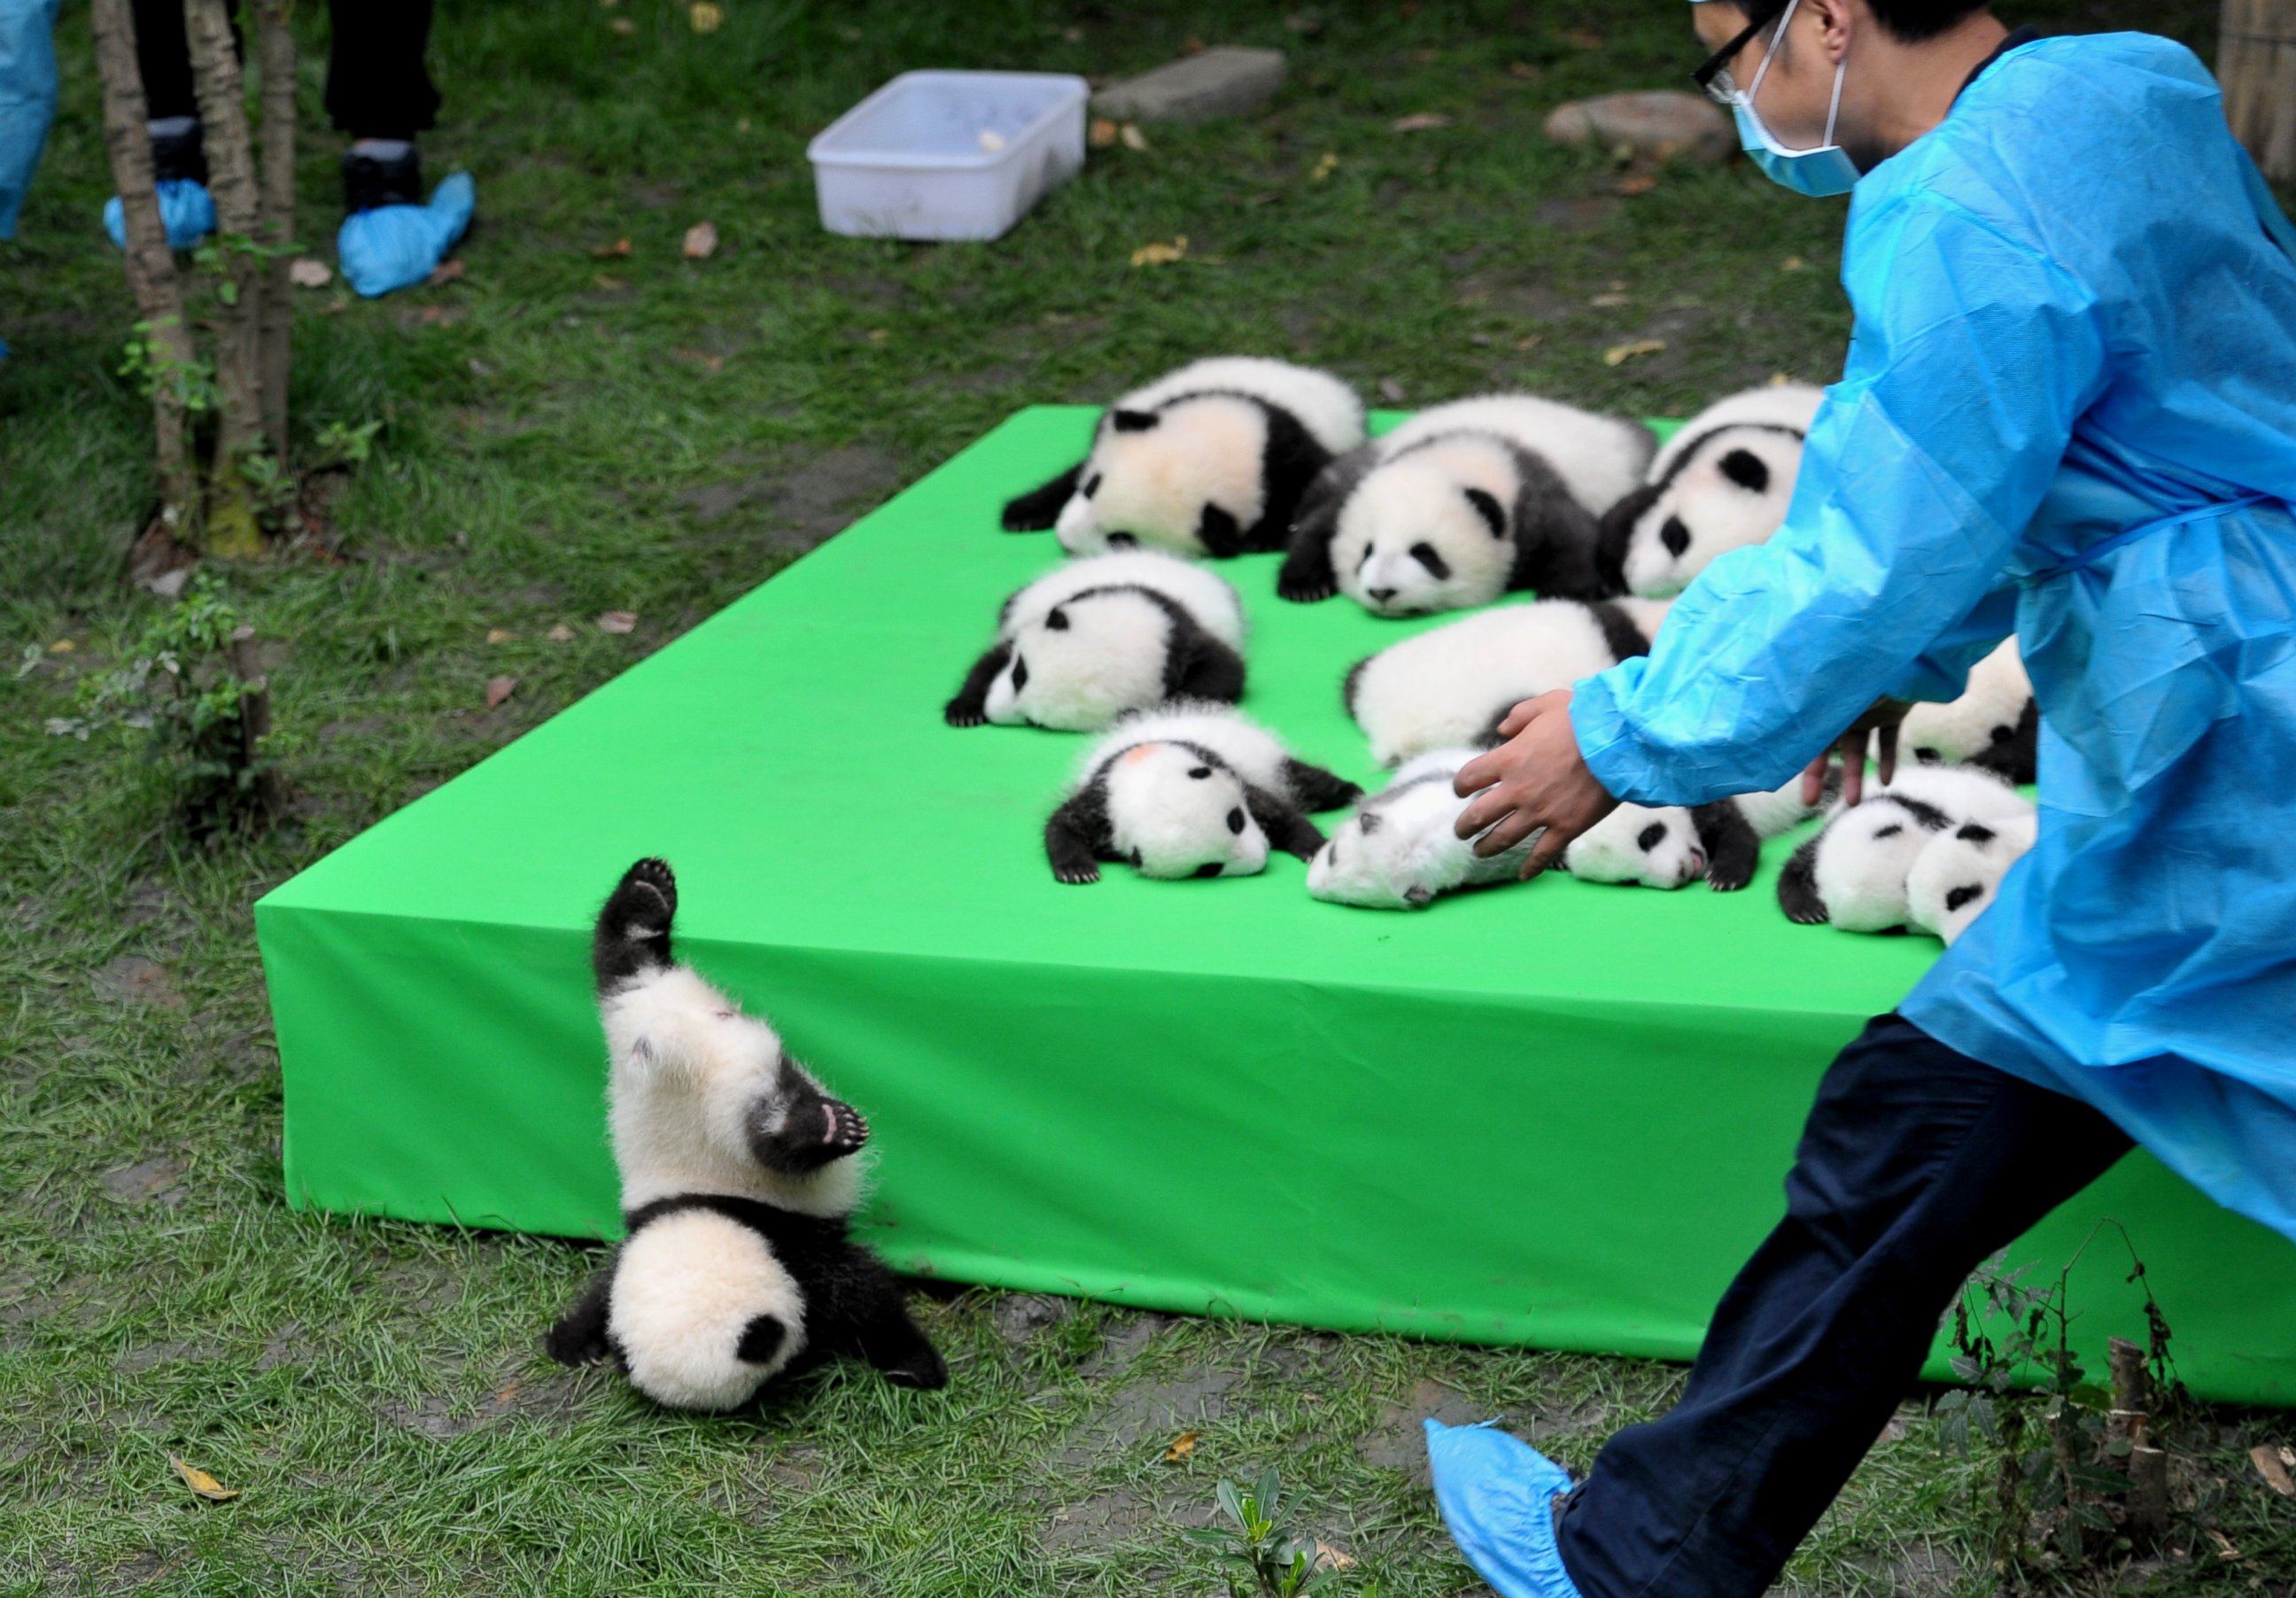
column 1091, row 486
column 1201, row 773
column 1746, row 468
column 1235, row 822
column 1056, row 619
column 1122, row 541
column 1019, row 674
column 1962, row 896
column 1427, row 555
column 1675, row 536
column 1369, row 821
column 1652, row 836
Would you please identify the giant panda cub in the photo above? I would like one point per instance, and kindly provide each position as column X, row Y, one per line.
column 1090, row 640
column 1208, row 459
column 738, row 1184
column 1445, row 688
column 1956, row 875
column 1996, row 723
column 1855, row 873
column 1463, row 503
column 1723, row 482
column 1189, row 790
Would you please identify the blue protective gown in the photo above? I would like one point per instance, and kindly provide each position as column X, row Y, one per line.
column 28, row 98
column 2069, row 411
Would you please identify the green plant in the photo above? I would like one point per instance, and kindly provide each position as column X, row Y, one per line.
column 1255, row 1553
column 341, row 445
column 2062, row 1484
column 181, row 689
column 147, row 362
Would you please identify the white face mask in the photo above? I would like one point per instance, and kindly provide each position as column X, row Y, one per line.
column 1823, row 171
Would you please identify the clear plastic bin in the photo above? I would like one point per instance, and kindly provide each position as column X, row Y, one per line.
column 948, row 155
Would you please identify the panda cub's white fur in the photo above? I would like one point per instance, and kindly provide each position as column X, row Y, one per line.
column 1959, row 873
column 1094, row 638
column 1722, row 482
column 1856, row 872
column 1446, row 688
column 1463, row 503
column 1208, row 459
column 1189, row 790
column 738, row 1180
column 1994, row 724
column 1400, row 850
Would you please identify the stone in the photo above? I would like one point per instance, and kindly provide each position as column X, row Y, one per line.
column 1657, row 123
column 1226, row 81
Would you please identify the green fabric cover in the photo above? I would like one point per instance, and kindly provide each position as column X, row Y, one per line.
column 1556, row 1115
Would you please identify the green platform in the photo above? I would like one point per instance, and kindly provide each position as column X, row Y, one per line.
column 1556, row 1115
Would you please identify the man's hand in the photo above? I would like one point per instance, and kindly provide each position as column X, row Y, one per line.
column 1536, row 779
column 1882, row 719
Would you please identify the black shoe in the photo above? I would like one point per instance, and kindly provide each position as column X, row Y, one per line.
column 179, row 155
column 370, row 182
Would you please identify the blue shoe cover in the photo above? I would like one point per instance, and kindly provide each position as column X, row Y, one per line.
column 1497, row 1497
column 393, row 246
column 184, row 210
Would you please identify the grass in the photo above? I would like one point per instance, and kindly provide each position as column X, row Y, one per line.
column 566, row 434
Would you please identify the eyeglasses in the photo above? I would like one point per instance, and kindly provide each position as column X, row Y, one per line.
column 1714, row 76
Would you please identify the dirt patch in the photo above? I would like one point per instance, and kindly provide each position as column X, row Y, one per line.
column 806, row 503
column 1397, row 1441
column 1135, row 1421
column 1588, row 215
column 1020, row 1316
column 1511, row 296
column 1115, row 1517
column 1124, row 1342
column 288, row 1346
column 131, row 977
column 151, row 1357
column 141, row 1183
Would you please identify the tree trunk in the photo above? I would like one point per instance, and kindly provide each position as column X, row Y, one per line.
column 2256, row 62
column 150, row 265
column 274, row 51
column 255, row 717
column 232, row 531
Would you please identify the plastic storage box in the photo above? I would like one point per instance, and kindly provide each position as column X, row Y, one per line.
column 948, row 155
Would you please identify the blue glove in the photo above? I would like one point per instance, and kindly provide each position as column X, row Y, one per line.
column 393, row 246
column 185, row 209
column 1497, row 1495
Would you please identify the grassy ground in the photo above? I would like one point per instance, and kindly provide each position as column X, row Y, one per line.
column 565, row 434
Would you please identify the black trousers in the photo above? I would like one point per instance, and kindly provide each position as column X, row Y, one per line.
column 1918, row 1164
column 377, row 87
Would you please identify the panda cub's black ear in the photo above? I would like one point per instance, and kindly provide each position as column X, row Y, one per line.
column 1487, row 507
column 1133, row 421
column 1746, row 468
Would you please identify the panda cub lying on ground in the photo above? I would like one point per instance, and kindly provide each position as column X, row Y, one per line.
column 1995, row 724
column 1189, row 790
column 1856, row 873
column 1959, row 873
column 1094, row 638
column 1208, row 459
column 1463, row 503
column 738, row 1185
column 1723, row 482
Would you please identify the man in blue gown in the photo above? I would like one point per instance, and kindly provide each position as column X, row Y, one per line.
column 2069, row 412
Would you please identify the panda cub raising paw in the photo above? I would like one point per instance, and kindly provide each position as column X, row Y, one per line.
column 738, row 1186
column 1208, row 459
column 1190, row 790
column 1463, row 503
column 1090, row 640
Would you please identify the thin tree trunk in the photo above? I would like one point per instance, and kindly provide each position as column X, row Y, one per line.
column 231, row 184
column 150, row 265
column 2256, row 62
column 275, row 52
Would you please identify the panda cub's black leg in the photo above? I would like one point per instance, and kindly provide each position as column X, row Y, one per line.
column 802, row 1128
column 633, row 933
column 882, row 1331
column 579, row 1337
column 1317, row 789
column 1734, row 849
column 1040, row 508
column 1286, row 827
column 970, row 707
column 1798, row 893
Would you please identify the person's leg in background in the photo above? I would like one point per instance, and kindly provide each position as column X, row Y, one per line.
column 379, row 93
column 178, row 160
column 1917, row 1163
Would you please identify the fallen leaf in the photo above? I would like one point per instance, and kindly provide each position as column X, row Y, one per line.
column 1325, row 168
column 1328, row 1558
column 1419, row 122
column 623, row 26
column 1073, row 34
column 1305, row 23
column 2225, row 1549
column 1529, row 340
column 206, row 1486
column 335, row 307
column 1390, row 391
column 1101, row 133
column 63, row 646
column 1794, row 263
column 499, row 636
column 1522, row 69
column 1637, row 183
column 499, row 688
column 1780, row 380
column 502, row 1398
column 741, row 124
column 711, row 363
column 618, row 621
column 877, row 335
column 705, row 17
column 1310, row 1397
column 618, row 247
column 1134, row 139
column 2288, row 1457
column 608, row 4
column 1182, row 1446
column 560, row 633
column 309, row 273
column 1192, row 46
column 1585, row 38
column 1618, row 354
column 1606, row 300
column 701, row 241
column 610, row 284
column 445, row 272
column 2275, row 1473
column 1161, row 255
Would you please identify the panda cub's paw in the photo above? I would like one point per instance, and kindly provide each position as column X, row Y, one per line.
column 632, row 933
column 844, row 1130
